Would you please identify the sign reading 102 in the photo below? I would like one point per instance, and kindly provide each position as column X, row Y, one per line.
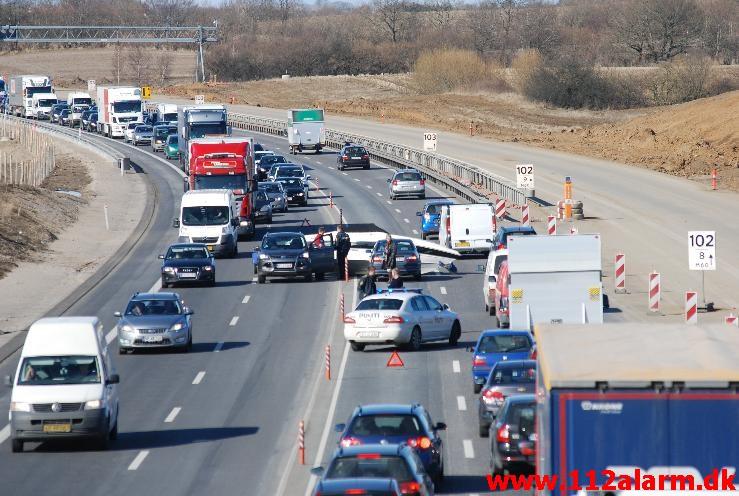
column 525, row 176
column 702, row 250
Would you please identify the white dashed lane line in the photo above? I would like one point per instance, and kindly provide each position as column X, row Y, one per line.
column 469, row 451
column 397, row 210
column 4, row 433
column 461, row 403
column 199, row 377
column 406, row 221
column 110, row 336
column 369, row 187
column 219, row 347
column 136, row 463
column 389, row 202
column 246, row 299
column 172, row 415
column 379, row 194
column 356, row 179
column 415, row 232
column 455, row 366
column 442, row 290
column 345, row 173
column 234, row 320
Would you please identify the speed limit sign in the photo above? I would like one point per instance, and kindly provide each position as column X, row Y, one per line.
column 429, row 142
column 702, row 250
column 525, row 176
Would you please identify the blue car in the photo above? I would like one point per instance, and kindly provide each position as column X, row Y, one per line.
column 342, row 487
column 431, row 216
column 495, row 345
column 501, row 237
column 397, row 424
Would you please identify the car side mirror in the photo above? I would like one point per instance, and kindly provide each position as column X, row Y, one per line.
column 117, row 314
column 235, row 222
column 340, row 427
column 419, row 214
column 445, row 306
column 185, row 184
column 8, row 380
column 188, row 311
column 470, row 349
column 161, row 257
column 440, row 426
column 317, row 471
column 309, row 176
column 176, row 223
column 388, row 180
column 113, row 379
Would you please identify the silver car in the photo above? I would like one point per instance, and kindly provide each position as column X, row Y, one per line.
column 276, row 194
column 155, row 320
column 143, row 134
column 407, row 182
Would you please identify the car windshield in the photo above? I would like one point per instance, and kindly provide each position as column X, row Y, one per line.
column 408, row 176
column 262, row 196
column 513, row 375
column 392, row 467
column 283, row 242
column 140, row 308
column 434, row 209
column 221, row 182
column 404, row 247
column 46, row 103
column 272, row 159
column 258, row 147
column 201, row 130
column 143, row 129
column 271, row 187
column 82, row 101
column 385, row 425
column 523, row 415
column 186, row 252
column 133, row 125
column 205, row 216
column 162, row 132
column 172, row 139
column 295, row 183
column 32, row 90
column 127, row 106
column 355, row 150
column 504, row 344
column 380, row 304
column 45, row 370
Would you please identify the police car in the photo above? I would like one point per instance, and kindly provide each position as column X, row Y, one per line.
column 401, row 317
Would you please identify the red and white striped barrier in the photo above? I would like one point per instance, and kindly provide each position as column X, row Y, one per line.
column 328, row 362
column 655, row 292
column 346, row 269
column 691, row 307
column 330, row 199
column 301, row 442
column 551, row 224
column 525, row 220
column 732, row 319
column 620, row 273
column 341, row 307
column 500, row 208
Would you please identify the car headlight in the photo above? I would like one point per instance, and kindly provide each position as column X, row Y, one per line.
column 177, row 327
column 94, row 404
column 263, row 256
column 208, row 267
column 306, row 254
column 300, row 194
column 127, row 328
column 169, row 270
column 20, row 406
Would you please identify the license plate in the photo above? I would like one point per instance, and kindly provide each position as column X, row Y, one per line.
column 368, row 334
column 152, row 339
column 356, row 158
column 58, row 427
column 187, row 275
column 211, row 247
column 462, row 243
column 284, row 266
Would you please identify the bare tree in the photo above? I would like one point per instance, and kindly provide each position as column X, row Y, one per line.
column 137, row 62
column 117, row 60
column 539, row 28
column 507, row 20
column 720, row 38
column 164, row 67
column 391, row 16
column 441, row 12
column 482, row 26
column 170, row 12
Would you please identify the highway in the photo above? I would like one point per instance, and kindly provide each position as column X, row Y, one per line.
column 223, row 419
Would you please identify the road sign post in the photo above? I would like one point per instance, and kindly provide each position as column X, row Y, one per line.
column 702, row 257
column 429, row 141
column 146, row 92
column 91, row 85
column 525, row 179
column 199, row 99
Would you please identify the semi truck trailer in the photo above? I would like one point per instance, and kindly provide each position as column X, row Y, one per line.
column 21, row 91
column 117, row 106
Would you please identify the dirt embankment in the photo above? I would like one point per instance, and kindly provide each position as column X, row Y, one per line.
column 31, row 218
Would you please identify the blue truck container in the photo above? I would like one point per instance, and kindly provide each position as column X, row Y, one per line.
column 637, row 399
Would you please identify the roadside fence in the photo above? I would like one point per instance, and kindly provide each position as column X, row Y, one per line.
column 34, row 162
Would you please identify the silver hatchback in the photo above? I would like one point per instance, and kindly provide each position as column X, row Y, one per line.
column 155, row 320
column 407, row 182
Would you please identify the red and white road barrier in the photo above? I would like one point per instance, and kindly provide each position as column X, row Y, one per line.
column 328, row 362
column 346, row 269
column 330, row 199
column 525, row 220
column 732, row 319
column 714, row 174
column 301, row 442
column 341, row 307
column 655, row 292
column 620, row 273
column 551, row 224
column 691, row 307
column 500, row 208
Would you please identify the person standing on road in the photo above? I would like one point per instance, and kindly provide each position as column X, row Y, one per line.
column 368, row 284
column 343, row 245
column 395, row 282
column 391, row 251
column 318, row 240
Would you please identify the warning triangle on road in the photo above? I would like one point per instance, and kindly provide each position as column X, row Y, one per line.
column 395, row 360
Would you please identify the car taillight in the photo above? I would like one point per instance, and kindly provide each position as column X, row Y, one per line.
column 532, row 356
column 411, row 258
column 395, row 182
column 349, row 320
column 345, row 157
column 419, row 442
column 448, row 225
column 528, row 451
column 365, row 156
column 422, row 182
column 368, row 456
column 350, row 441
column 479, row 361
column 503, row 435
column 489, row 396
column 377, row 259
column 410, row 487
column 395, row 319
column 355, row 491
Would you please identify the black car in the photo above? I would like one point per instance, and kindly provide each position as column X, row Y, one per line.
column 407, row 259
column 65, row 117
column 92, row 122
column 262, row 208
column 367, row 486
column 85, row 118
column 188, row 263
column 295, row 190
column 56, row 110
column 288, row 254
column 507, row 378
column 513, row 435
column 501, row 237
column 352, row 156
column 258, row 147
column 397, row 461
column 266, row 163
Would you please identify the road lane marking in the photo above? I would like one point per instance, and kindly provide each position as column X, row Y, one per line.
column 461, row 403
column 389, row 202
column 345, row 173
column 254, row 279
column 156, row 287
column 199, row 377
column 138, row 460
column 246, row 299
column 442, row 290
column 397, row 210
column 318, row 162
column 406, row 221
column 110, row 336
column 469, row 451
column 234, row 320
column 369, row 187
column 379, row 194
column 4, row 433
column 415, row 232
column 455, row 366
column 170, row 418
column 356, row 179
column 219, row 347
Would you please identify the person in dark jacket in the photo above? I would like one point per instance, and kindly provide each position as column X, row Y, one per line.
column 343, row 245
column 395, row 282
column 368, row 284
column 391, row 251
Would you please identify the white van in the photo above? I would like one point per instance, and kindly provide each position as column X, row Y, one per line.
column 209, row 216
column 65, row 385
column 467, row 228
column 489, row 282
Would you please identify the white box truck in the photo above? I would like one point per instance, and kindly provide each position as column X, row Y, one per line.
column 165, row 112
column 117, row 106
column 22, row 89
column 467, row 228
column 78, row 102
column 555, row 280
column 42, row 103
column 306, row 130
column 209, row 216
column 65, row 385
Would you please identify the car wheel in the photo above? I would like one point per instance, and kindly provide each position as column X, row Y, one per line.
column 122, row 350
column 261, row 279
column 496, row 322
column 392, row 196
column 418, row 276
column 103, row 441
column 491, row 310
column 235, row 252
column 484, row 430
column 165, row 285
column 423, row 196
column 423, row 236
column 309, row 277
column 477, row 388
column 455, row 334
column 212, row 283
column 320, row 276
column 366, row 167
column 415, row 342
column 113, row 435
column 16, row 445
column 357, row 346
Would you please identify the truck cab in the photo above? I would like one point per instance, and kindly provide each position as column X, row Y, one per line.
column 199, row 121
column 78, row 102
column 117, row 107
column 42, row 103
column 208, row 216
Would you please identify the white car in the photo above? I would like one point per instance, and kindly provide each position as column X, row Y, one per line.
column 404, row 316
column 495, row 258
column 128, row 133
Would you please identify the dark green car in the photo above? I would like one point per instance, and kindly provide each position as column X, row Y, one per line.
column 171, row 148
